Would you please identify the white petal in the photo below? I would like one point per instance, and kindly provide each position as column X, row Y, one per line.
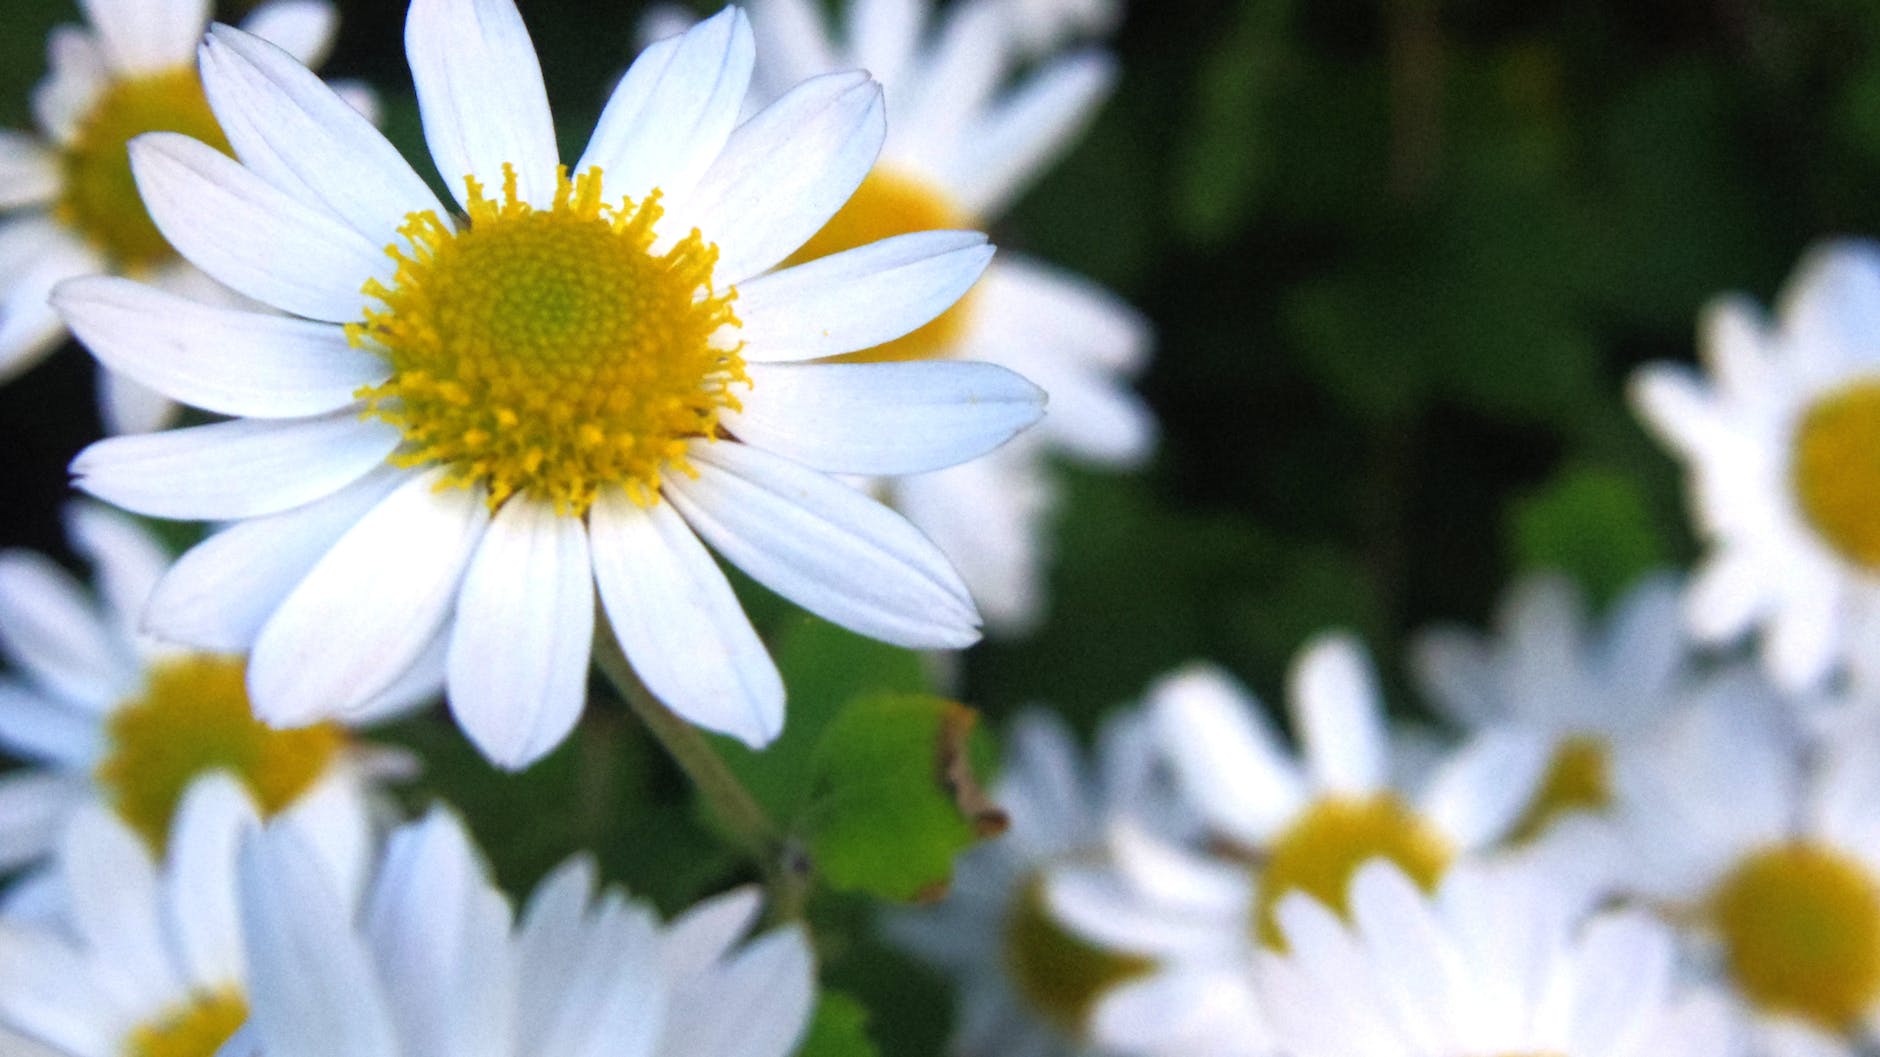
column 199, row 882
column 1094, row 416
column 126, row 405
column 223, row 360
column 219, row 594
column 126, row 559
column 235, row 469
column 826, row 547
column 674, row 109
column 251, row 236
column 34, row 728
column 52, row 631
column 294, row 132
column 957, row 77
column 1339, row 711
column 303, row 29
column 883, row 35
column 29, row 173
column 78, row 75
column 369, row 607
column 147, row 36
column 518, row 664
column 35, row 257
column 785, row 172
column 989, row 518
column 1481, row 791
column 1066, row 314
column 312, row 989
column 698, row 938
column 48, row 992
column 884, row 418
column 679, row 624
column 36, row 809
column 796, row 44
column 859, row 298
column 1224, row 755
column 480, row 90
column 758, row 1005
column 1031, row 128
column 113, row 887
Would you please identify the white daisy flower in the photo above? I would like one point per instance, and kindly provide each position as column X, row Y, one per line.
column 1590, row 692
column 1495, row 962
column 438, row 963
column 568, row 388
column 152, row 962
column 959, row 151
column 110, row 718
column 73, row 208
column 1277, row 826
column 1766, row 845
column 1026, row 986
column 1780, row 441
column 1044, row 25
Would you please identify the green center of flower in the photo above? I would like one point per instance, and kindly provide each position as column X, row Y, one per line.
column 1836, row 471
column 1321, row 852
column 1058, row 973
column 197, row 1029
column 100, row 194
column 1578, row 779
column 551, row 352
column 889, row 204
column 194, row 718
column 1801, row 931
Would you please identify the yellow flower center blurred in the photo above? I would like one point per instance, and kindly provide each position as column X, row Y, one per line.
column 100, row 196
column 551, row 352
column 1801, row 931
column 195, row 1030
column 1321, row 852
column 1578, row 778
column 1836, row 470
column 1059, row 974
column 889, row 204
column 193, row 718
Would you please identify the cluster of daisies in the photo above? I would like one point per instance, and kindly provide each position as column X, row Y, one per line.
column 1627, row 834
column 479, row 436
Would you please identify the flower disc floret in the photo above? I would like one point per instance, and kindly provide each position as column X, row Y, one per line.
column 193, row 718
column 1322, row 851
column 100, row 198
column 1058, row 972
column 1578, row 779
column 1800, row 925
column 1836, row 471
column 197, row 1029
column 551, row 352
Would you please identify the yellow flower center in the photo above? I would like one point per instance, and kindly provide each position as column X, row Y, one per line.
column 1057, row 972
column 1801, row 931
column 194, row 718
column 1836, row 470
column 100, row 195
column 551, row 352
column 1578, row 778
column 197, row 1029
column 889, row 204
column 1321, row 852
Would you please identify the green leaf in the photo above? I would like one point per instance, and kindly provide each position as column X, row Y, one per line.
column 839, row 1029
column 896, row 798
column 1594, row 524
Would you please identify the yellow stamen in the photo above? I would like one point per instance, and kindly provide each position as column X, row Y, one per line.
column 888, row 204
column 1058, row 973
column 100, row 196
column 1836, row 471
column 1801, row 930
column 197, row 1029
column 551, row 352
column 1321, row 852
column 1578, row 779
column 194, row 718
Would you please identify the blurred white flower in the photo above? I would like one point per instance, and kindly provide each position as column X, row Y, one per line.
column 1043, row 25
column 1494, row 962
column 1276, row 826
column 1591, row 692
column 150, row 961
column 1026, row 986
column 438, row 963
column 1764, row 845
column 1782, row 443
column 559, row 394
column 961, row 146
column 107, row 716
column 75, row 210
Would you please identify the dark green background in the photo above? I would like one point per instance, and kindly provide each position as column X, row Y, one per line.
column 1401, row 259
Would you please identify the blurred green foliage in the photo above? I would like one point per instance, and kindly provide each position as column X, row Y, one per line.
column 1401, row 256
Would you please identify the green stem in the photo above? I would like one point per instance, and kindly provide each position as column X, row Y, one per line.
column 733, row 804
